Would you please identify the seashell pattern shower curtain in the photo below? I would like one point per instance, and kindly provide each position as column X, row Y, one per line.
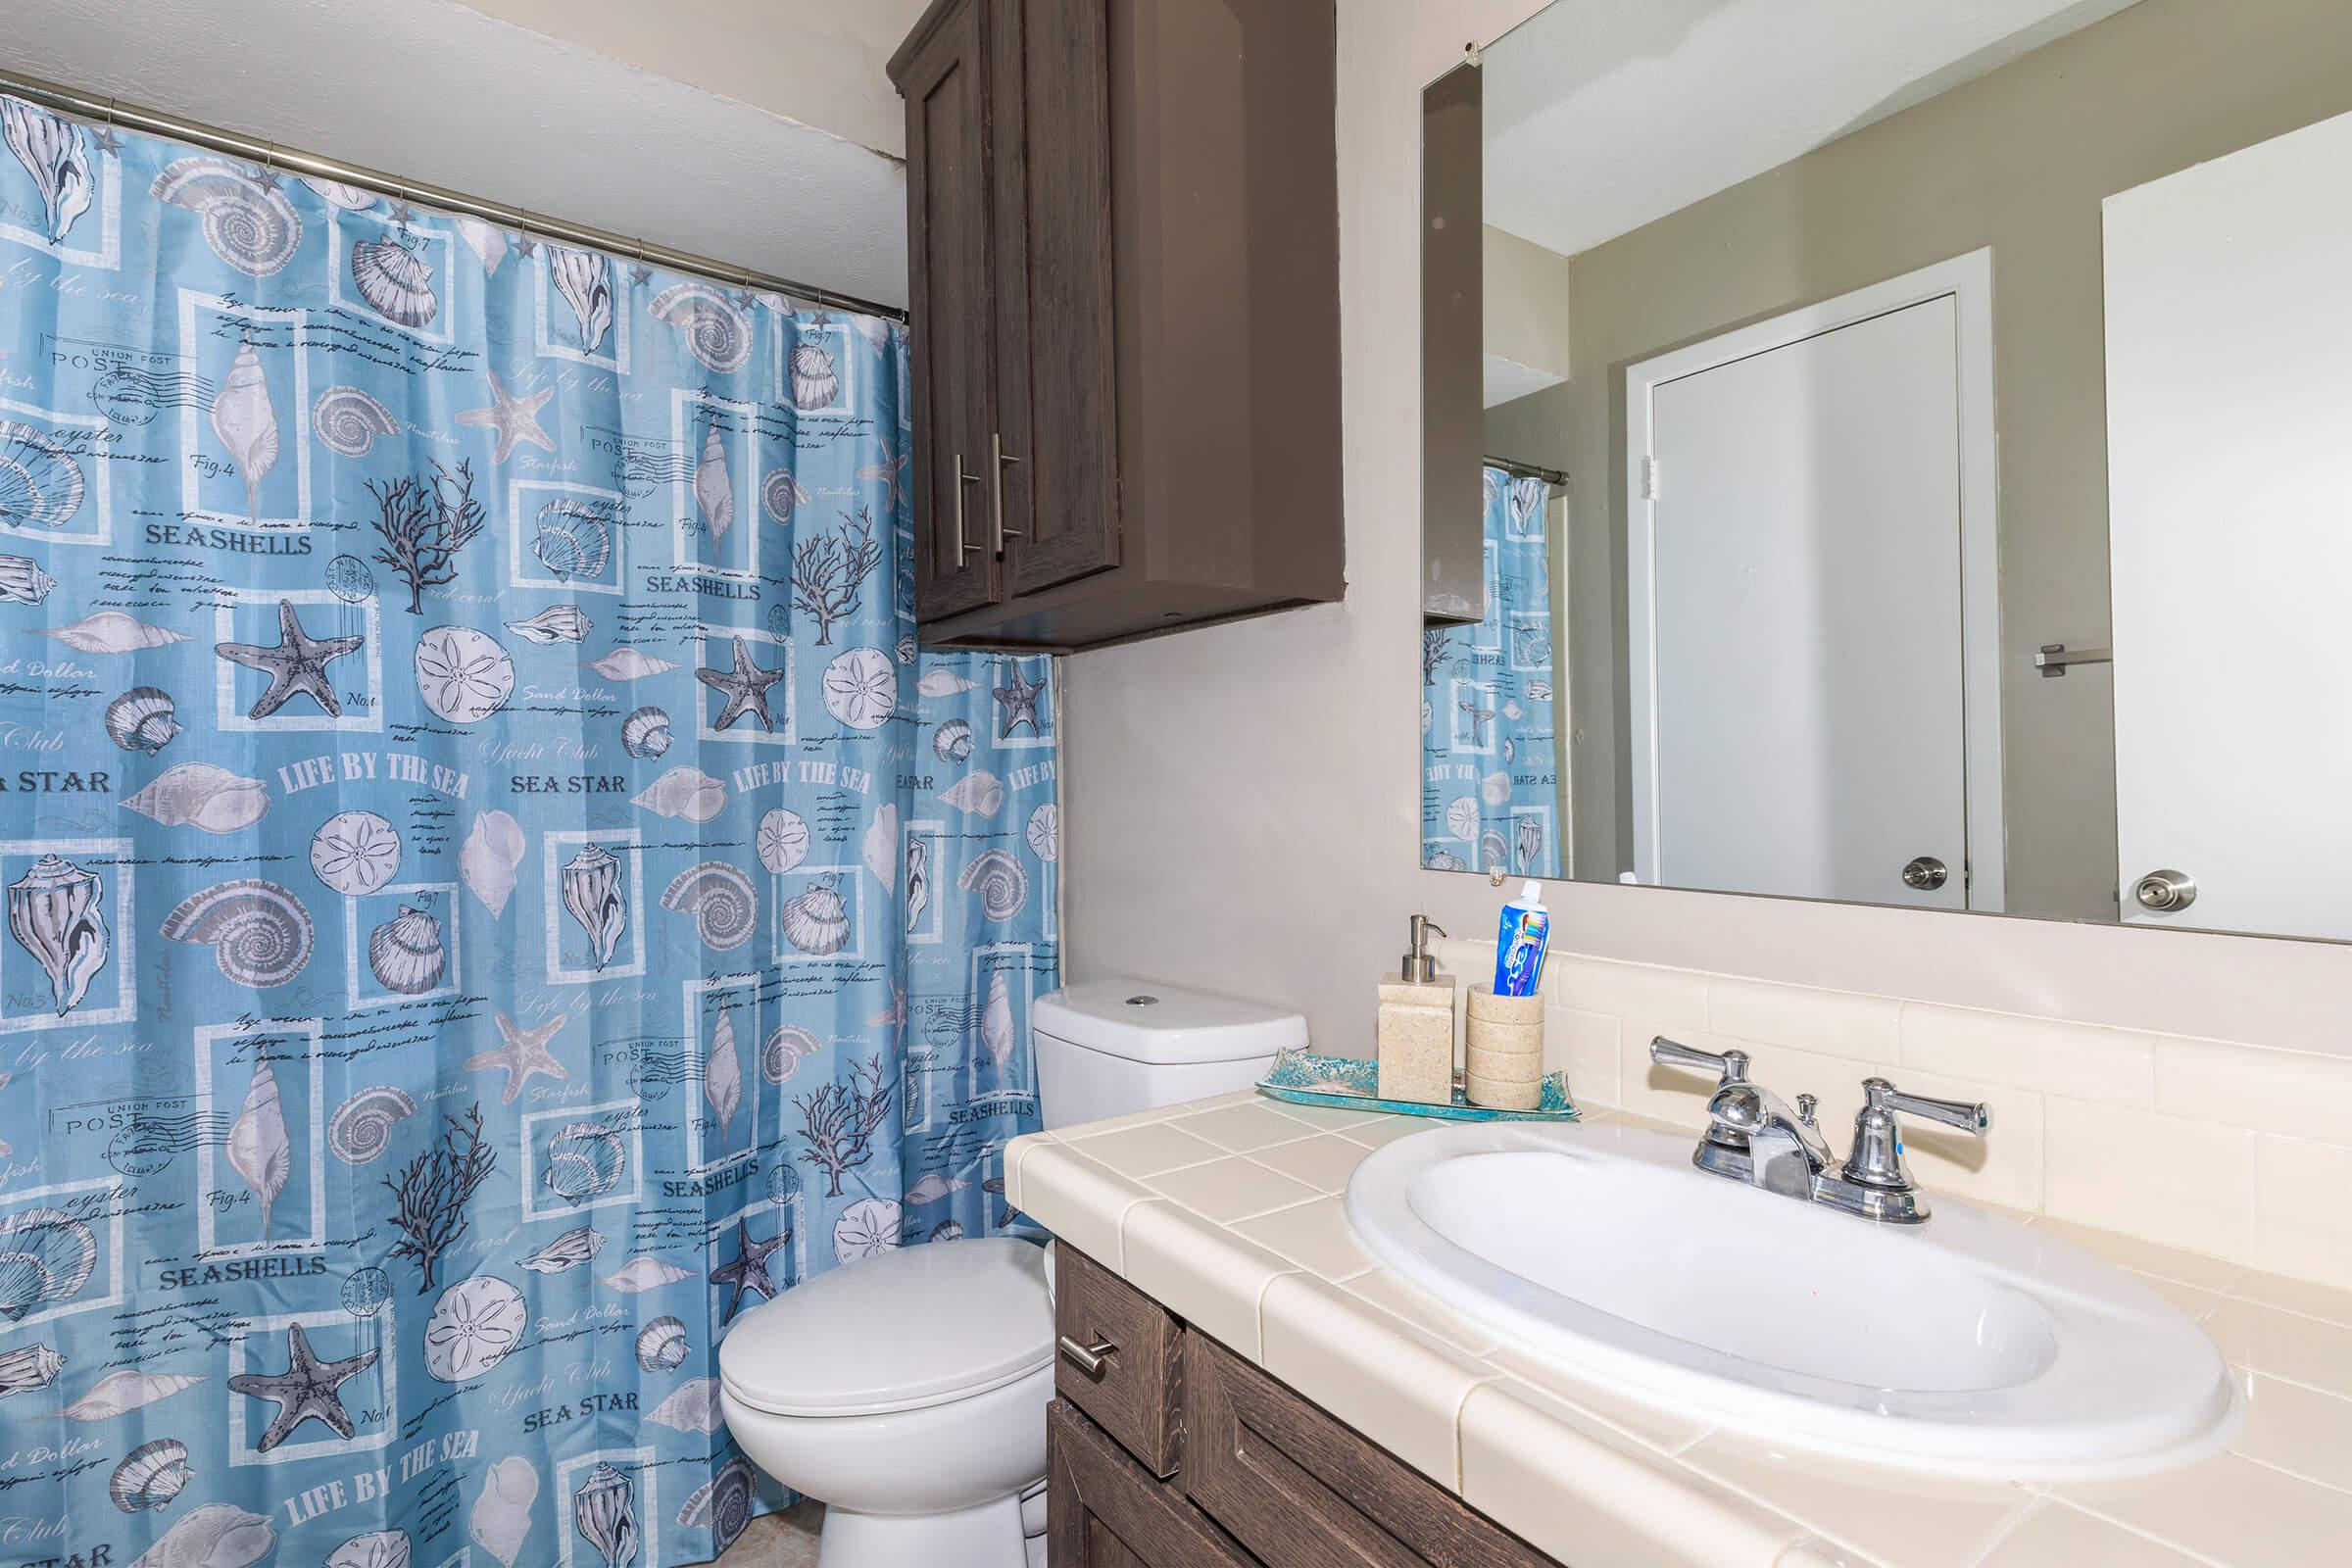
column 494, row 892
column 1491, row 792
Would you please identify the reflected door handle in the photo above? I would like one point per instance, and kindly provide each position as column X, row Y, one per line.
column 2166, row 892
column 1926, row 874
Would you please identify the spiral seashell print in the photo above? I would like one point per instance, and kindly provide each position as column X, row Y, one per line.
column 347, row 420
column 722, row 1504
column 592, row 895
column 567, row 1251
column 250, row 225
column 684, row 791
column 259, row 933
column 362, row 1127
column 717, row 331
column 780, row 1058
column 722, row 901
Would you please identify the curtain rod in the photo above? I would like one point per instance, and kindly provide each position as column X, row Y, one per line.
column 1528, row 471
column 112, row 112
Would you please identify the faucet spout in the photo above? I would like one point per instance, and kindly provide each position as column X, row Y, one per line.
column 1786, row 1151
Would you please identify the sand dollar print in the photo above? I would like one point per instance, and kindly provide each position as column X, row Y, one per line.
column 463, row 674
column 862, row 688
column 474, row 1324
column 354, row 852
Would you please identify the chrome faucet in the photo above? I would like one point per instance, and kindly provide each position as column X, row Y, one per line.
column 1756, row 1137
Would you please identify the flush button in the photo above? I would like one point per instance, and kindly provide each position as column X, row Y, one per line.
column 1143, row 1001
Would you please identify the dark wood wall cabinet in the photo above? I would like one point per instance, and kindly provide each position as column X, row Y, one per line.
column 1123, row 264
column 1165, row 1450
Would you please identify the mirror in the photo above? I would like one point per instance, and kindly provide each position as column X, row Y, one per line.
column 1916, row 457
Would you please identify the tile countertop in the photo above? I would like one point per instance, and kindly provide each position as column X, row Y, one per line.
column 1227, row 1212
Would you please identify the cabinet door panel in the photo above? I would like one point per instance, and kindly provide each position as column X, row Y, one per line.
column 950, row 275
column 1103, row 1511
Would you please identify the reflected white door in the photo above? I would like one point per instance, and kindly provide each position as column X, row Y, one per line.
column 2230, row 501
column 1798, row 653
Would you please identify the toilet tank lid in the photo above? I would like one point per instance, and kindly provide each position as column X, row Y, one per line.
column 1143, row 1020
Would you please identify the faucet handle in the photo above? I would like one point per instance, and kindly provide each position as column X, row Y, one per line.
column 1968, row 1116
column 1730, row 1064
column 1877, row 1157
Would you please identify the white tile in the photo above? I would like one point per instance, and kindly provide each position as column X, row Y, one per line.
column 1146, row 1150
column 1081, row 1200
column 1388, row 1129
column 1133, row 1119
column 2003, row 1166
column 2227, row 1509
column 1397, row 1385
column 1323, row 1163
column 2299, row 1350
column 1314, row 1236
column 2185, row 1184
column 2196, row 1269
column 1916, row 1520
column 1392, row 1294
column 2298, row 1430
column 1320, row 1118
column 1584, row 1045
column 2082, row 1061
column 1667, row 1000
column 1590, row 1496
column 2302, row 1215
column 1247, row 1126
column 1231, row 1189
column 1827, row 1023
column 2054, row 1536
column 2293, row 1093
column 1203, row 1273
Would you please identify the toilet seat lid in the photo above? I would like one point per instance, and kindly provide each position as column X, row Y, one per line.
column 919, row 1326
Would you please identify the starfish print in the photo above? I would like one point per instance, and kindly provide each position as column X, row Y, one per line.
column 1020, row 701
column 516, row 420
column 748, row 1271
column 745, row 688
column 304, row 1392
column 298, row 664
column 523, row 1054
column 106, row 140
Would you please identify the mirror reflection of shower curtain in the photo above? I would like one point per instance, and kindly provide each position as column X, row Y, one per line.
column 1489, row 776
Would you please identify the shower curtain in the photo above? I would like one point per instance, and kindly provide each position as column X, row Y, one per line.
column 1489, row 777
column 494, row 891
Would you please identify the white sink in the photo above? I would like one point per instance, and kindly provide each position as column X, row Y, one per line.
column 1965, row 1345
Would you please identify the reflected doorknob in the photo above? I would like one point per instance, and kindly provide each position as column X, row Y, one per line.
column 1926, row 874
column 2166, row 892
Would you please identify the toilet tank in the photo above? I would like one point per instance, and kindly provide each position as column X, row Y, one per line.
column 1110, row 1047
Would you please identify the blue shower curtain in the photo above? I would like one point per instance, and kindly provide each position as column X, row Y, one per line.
column 1490, row 775
column 494, row 891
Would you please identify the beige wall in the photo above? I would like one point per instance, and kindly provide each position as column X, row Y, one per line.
column 1242, row 802
column 2018, row 159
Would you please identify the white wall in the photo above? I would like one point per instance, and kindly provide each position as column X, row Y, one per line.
column 1241, row 801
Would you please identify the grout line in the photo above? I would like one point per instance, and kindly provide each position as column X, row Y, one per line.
column 2293, row 1475
column 2137, row 1532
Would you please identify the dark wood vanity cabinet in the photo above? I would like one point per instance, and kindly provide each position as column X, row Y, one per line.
column 1165, row 1450
column 1123, row 263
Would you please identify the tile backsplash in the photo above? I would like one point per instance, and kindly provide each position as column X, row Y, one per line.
column 2238, row 1151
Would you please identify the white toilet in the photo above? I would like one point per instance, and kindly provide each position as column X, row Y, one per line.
column 908, row 1391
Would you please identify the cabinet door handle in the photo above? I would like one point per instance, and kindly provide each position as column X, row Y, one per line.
column 1000, row 457
column 1090, row 1360
column 964, row 548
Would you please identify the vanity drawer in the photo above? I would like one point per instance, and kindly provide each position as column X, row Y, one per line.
column 1118, row 1360
column 1105, row 1511
column 1296, row 1487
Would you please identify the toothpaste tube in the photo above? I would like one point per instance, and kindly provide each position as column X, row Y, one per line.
column 1520, row 942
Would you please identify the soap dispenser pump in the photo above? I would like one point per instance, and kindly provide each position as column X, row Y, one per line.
column 1420, row 966
column 1416, row 1024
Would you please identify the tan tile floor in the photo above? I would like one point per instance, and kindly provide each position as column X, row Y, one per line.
column 786, row 1539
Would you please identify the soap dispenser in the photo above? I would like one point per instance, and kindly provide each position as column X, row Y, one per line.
column 1416, row 1024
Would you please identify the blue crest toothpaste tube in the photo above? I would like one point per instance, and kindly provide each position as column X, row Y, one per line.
column 1520, row 941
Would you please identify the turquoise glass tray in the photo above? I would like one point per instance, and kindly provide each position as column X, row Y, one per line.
column 1353, row 1083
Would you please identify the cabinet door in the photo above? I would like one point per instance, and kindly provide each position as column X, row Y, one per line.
column 1103, row 1511
column 1057, row 395
column 950, row 275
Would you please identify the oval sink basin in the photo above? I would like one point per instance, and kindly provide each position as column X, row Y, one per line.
column 1965, row 1345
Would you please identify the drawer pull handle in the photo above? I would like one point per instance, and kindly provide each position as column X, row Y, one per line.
column 1092, row 1359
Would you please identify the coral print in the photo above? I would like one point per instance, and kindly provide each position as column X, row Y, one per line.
column 496, row 891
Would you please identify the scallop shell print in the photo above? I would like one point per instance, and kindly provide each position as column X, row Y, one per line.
column 585, row 281
column 395, row 280
column 378, row 1549
column 567, row 1251
column 40, row 484
column 201, row 796
column 662, row 1346
column 684, row 791
column 815, row 383
column 150, row 1476
column 487, row 862
column 142, row 719
column 354, row 852
column 249, row 224
column 718, row 330
column 722, row 901
column 475, row 1324
column 574, row 538
column 1003, row 885
column 584, row 1160
column 645, row 733
column 405, row 953
column 55, row 152
column 952, row 741
column 259, row 933
column 818, row 922
column 46, row 1255
column 783, row 840
column 111, row 631
column 56, row 913
column 213, row 1534
column 361, row 1129
column 501, row 1516
column 347, row 420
